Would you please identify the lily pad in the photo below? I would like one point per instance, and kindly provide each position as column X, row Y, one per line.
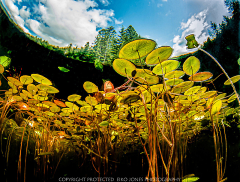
column 137, row 49
column 63, row 69
column 234, row 79
column 41, row 79
column 123, row 67
column 200, row 77
column 165, row 67
column 25, row 79
column 191, row 65
column 159, row 55
column 90, row 87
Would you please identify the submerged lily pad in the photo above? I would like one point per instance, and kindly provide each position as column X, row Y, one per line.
column 25, row 79
column 200, row 77
column 63, row 69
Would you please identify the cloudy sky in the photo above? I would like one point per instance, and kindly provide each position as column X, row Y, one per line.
column 62, row 22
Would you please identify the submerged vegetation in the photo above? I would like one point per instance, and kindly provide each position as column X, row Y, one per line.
column 160, row 107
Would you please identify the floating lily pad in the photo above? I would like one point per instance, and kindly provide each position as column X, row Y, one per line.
column 191, row 65
column 123, row 67
column 182, row 87
column 55, row 109
column 200, row 77
column 165, row 67
column 234, row 79
column 90, row 87
column 159, row 55
column 41, row 79
column 209, row 94
column 137, row 49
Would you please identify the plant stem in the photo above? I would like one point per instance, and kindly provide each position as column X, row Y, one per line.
column 223, row 72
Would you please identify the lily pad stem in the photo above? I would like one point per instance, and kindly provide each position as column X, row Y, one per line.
column 223, row 72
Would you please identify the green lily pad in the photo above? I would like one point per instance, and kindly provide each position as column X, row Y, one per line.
column 191, row 65
column 137, row 49
column 104, row 123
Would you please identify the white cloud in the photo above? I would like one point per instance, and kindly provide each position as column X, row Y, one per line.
column 117, row 22
column 199, row 24
column 62, row 22
column 196, row 25
column 165, row 0
column 105, row 2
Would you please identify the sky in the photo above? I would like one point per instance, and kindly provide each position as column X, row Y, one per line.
column 168, row 22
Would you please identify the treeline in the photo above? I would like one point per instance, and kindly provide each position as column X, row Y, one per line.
column 104, row 49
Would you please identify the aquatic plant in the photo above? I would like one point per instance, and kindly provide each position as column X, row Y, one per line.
column 159, row 107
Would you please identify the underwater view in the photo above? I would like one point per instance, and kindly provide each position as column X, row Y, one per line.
column 104, row 90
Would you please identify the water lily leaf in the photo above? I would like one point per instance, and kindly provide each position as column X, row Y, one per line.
column 41, row 79
column 72, row 106
column 130, row 99
column 182, row 87
column 191, row 65
column 47, row 88
column 23, row 96
column 60, row 103
column 63, row 69
column 91, row 100
column 32, row 89
column 159, row 55
column 238, row 60
column 14, row 81
column 90, row 87
column 41, row 98
column 123, row 67
column 208, row 94
column 173, row 82
column 191, row 41
column 55, row 109
column 25, row 79
column 74, row 97
column 174, row 74
column 159, row 88
column 216, row 107
column 232, row 98
column 5, row 61
column 234, row 80
column 145, row 75
column 1, row 68
column 165, row 67
column 104, row 123
column 137, row 49
column 192, row 90
column 200, row 77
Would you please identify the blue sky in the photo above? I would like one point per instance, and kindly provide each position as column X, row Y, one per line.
column 62, row 22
